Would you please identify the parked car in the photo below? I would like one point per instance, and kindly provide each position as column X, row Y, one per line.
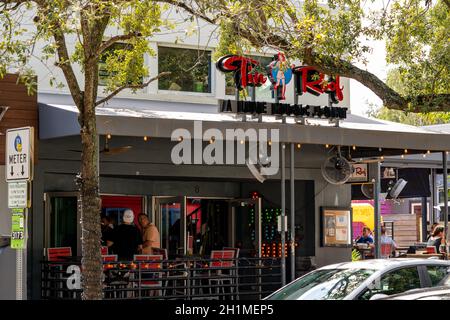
column 362, row 280
column 434, row 293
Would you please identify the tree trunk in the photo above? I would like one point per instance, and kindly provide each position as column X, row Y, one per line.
column 90, row 210
column 92, row 267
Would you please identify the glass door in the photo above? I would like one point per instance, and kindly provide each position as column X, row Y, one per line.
column 170, row 219
column 62, row 221
column 245, row 219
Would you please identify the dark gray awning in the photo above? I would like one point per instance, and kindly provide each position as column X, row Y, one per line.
column 61, row 120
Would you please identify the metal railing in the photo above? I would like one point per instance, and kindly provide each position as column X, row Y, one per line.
column 185, row 279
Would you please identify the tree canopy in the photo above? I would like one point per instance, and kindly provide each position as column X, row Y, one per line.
column 331, row 36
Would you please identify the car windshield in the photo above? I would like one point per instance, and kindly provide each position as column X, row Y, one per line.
column 324, row 284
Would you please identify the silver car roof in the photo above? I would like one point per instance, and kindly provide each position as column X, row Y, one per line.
column 380, row 264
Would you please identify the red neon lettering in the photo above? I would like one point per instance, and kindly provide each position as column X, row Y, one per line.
column 244, row 65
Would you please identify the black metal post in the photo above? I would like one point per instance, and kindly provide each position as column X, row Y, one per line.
column 283, row 214
column 424, row 219
column 445, row 177
column 292, row 236
column 376, row 198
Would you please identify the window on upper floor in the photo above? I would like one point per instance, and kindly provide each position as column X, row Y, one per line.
column 263, row 92
column 117, row 53
column 190, row 69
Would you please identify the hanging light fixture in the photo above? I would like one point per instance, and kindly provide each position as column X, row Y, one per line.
column 354, row 147
column 108, row 136
column 327, row 146
column 145, row 138
column 299, row 145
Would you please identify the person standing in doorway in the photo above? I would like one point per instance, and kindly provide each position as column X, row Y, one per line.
column 150, row 234
column 127, row 239
column 107, row 230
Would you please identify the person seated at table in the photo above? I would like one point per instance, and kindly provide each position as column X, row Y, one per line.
column 127, row 239
column 150, row 234
column 366, row 237
column 439, row 237
column 431, row 238
column 387, row 241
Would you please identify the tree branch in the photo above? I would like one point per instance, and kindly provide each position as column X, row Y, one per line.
column 66, row 67
column 190, row 10
column 139, row 86
column 108, row 43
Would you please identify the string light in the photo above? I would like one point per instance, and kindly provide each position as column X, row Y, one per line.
column 145, row 138
column 108, row 136
column 180, row 138
column 270, row 142
column 382, row 157
column 299, row 145
column 327, row 146
column 406, row 150
column 403, row 156
column 380, row 149
column 212, row 140
column 424, row 155
column 242, row 141
column 354, row 147
column 428, row 151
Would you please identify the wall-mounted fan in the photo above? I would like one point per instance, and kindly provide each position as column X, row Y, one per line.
column 110, row 151
column 367, row 190
column 336, row 169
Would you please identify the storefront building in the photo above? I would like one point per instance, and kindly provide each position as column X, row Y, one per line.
column 199, row 207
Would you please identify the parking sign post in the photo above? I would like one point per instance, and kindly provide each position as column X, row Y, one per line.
column 19, row 174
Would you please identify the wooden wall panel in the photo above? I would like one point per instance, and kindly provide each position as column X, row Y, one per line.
column 22, row 112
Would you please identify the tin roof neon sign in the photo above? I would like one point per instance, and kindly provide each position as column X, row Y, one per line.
column 306, row 79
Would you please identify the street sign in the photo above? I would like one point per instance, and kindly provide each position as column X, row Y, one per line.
column 19, row 153
column 18, row 235
column 18, row 196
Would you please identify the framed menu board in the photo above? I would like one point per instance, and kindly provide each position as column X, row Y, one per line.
column 336, row 228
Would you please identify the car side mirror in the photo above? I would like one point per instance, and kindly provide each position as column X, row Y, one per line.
column 378, row 296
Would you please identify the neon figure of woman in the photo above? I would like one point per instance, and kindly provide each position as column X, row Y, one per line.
column 282, row 66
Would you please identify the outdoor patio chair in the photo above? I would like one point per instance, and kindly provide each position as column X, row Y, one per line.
column 148, row 264
column 55, row 271
column 160, row 251
column 111, row 282
column 220, row 272
column 386, row 250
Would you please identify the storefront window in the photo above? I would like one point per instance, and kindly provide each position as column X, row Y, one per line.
column 262, row 93
column 190, row 69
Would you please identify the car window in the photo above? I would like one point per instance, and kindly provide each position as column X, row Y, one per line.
column 325, row 284
column 438, row 275
column 396, row 281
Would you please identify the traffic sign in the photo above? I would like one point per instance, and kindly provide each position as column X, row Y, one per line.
column 18, row 234
column 19, row 153
column 18, row 196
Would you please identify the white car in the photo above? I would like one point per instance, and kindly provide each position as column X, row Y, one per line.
column 366, row 280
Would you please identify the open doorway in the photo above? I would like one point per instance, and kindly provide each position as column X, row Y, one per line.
column 196, row 226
